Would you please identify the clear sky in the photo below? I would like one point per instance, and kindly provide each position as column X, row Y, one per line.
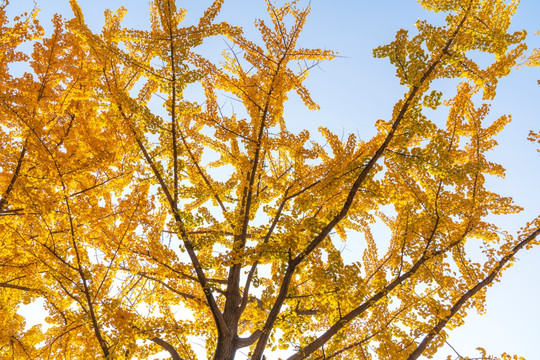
column 355, row 90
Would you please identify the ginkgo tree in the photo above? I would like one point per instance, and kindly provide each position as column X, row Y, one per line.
column 145, row 229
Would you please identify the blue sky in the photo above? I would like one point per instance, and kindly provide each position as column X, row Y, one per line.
column 355, row 90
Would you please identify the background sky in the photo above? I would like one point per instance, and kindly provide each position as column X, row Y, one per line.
column 355, row 90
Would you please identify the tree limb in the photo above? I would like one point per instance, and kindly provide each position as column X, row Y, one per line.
column 469, row 294
column 164, row 344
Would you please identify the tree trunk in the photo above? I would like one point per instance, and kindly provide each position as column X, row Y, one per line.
column 226, row 348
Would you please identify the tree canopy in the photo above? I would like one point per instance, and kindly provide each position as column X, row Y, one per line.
column 147, row 219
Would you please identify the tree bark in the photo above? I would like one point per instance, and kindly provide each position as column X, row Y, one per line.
column 226, row 347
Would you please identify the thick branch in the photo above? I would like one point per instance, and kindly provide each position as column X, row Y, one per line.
column 173, row 115
column 265, row 240
column 168, row 347
column 243, row 342
column 234, row 303
column 218, row 316
column 17, row 287
column 96, row 327
column 216, row 313
column 359, row 310
column 415, row 90
column 469, row 294
column 4, row 199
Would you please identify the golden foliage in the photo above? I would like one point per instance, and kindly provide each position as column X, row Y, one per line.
column 142, row 229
